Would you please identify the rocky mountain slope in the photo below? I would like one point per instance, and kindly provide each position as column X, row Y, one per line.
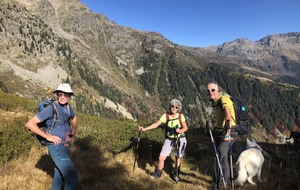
column 46, row 42
column 116, row 70
column 275, row 56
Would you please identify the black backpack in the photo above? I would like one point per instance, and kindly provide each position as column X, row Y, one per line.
column 243, row 125
column 42, row 125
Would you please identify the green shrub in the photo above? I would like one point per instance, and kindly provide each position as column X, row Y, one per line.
column 15, row 139
column 10, row 102
column 115, row 135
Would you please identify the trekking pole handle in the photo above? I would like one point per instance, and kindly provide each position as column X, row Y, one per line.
column 177, row 128
column 208, row 125
column 139, row 136
column 140, row 129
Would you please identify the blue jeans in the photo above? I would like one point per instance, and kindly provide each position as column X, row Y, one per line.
column 65, row 174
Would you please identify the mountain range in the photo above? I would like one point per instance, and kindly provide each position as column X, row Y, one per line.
column 119, row 71
column 275, row 56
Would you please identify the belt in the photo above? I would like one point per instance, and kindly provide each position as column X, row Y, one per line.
column 170, row 138
column 218, row 129
column 66, row 143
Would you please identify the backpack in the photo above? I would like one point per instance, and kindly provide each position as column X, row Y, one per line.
column 172, row 130
column 42, row 125
column 242, row 121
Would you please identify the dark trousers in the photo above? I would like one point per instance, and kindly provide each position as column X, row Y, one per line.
column 223, row 153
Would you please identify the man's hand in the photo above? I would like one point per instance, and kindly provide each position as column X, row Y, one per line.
column 55, row 139
column 228, row 138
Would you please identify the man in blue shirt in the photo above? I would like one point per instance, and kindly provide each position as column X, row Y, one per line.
column 59, row 137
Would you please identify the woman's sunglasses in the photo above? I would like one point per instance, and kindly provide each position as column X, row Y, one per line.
column 174, row 107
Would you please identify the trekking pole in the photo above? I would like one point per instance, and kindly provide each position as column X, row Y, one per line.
column 230, row 157
column 231, row 167
column 136, row 151
column 217, row 157
column 176, row 178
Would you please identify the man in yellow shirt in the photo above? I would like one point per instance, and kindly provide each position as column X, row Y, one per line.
column 224, row 132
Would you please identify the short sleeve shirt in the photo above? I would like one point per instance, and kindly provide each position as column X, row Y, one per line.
column 62, row 125
column 172, row 124
column 173, row 121
column 220, row 116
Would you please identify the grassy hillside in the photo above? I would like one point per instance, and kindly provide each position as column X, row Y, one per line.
column 104, row 156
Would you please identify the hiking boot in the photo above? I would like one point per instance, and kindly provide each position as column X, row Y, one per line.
column 215, row 187
column 176, row 175
column 157, row 174
column 176, row 178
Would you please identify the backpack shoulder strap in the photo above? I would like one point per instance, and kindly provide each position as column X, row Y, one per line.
column 235, row 109
column 233, row 103
column 167, row 117
column 180, row 119
column 55, row 115
column 220, row 102
column 69, row 110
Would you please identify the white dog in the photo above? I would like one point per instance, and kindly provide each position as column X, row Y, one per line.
column 250, row 163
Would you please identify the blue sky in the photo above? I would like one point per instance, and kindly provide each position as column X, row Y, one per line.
column 202, row 23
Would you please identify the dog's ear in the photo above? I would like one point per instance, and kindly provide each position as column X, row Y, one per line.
column 248, row 143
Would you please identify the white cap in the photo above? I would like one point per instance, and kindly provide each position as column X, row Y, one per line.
column 64, row 87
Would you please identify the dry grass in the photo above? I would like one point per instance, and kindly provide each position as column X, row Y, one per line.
column 22, row 173
column 99, row 169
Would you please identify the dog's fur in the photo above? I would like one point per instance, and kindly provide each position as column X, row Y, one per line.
column 250, row 163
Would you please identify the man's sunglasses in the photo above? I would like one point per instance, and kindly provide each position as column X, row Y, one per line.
column 211, row 90
column 63, row 94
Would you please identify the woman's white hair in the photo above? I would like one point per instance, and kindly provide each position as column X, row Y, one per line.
column 176, row 102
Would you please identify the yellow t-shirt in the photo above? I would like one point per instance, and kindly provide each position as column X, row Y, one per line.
column 220, row 117
column 172, row 124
